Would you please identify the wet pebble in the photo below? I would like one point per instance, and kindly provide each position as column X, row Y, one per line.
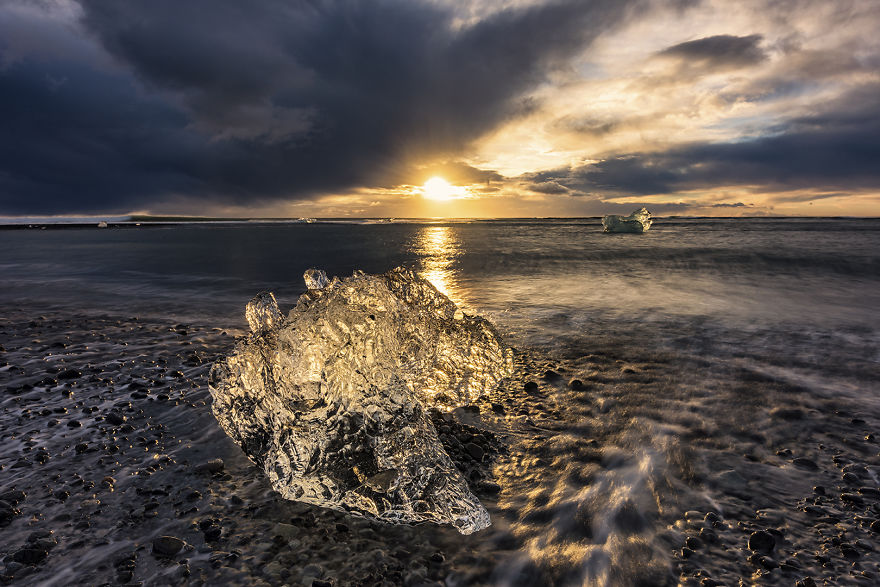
column 30, row 555
column 475, row 450
column 805, row 463
column 70, row 374
column 167, row 546
column 761, row 541
column 210, row 467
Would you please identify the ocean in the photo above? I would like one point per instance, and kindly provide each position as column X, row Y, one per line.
column 695, row 384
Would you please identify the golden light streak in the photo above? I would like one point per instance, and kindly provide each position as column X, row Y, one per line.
column 439, row 249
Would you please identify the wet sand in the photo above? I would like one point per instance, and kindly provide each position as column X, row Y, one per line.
column 623, row 465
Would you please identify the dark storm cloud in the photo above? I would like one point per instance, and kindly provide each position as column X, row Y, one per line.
column 548, row 187
column 834, row 150
column 239, row 102
column 719, row 51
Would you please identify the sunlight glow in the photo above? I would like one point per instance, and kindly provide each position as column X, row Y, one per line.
column 438, row 188
column 439, row 248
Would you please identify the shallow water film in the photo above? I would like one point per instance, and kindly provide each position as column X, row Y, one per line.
column 697, row 404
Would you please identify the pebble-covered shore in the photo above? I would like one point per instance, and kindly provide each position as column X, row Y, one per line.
column 614, row 466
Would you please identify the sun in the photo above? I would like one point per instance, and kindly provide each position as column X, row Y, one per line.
column 438, row 188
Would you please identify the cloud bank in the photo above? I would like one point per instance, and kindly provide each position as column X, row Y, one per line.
column 110, row 107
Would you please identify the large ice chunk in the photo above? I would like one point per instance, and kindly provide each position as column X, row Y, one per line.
column 639, row 221
column 331, row 401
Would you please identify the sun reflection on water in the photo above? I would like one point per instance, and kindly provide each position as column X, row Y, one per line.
column 439, row 248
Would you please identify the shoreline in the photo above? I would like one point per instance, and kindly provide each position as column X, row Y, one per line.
column 616, row 463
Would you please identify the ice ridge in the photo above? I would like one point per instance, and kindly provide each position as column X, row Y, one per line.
column 638, row 222
column 331, row 402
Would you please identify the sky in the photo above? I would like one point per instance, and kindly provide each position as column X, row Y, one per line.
column 423, row 108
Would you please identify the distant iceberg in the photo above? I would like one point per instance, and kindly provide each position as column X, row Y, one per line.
column 638, row 222
column 331, row 402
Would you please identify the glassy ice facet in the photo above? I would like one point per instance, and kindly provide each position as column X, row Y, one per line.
column 639, row 221
column 331, row 402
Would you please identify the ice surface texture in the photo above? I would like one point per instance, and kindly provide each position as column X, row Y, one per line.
column 638, row 221
column 331, row 401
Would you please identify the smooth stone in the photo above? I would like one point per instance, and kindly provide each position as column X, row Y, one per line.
column 13, row 497
column 475, row 451
column 70, row 374
column 167, row 545
column 805, row 463
column 851, row 478
column 762, row 541
column 312, row 570
column 210, row 467
column 30, row 556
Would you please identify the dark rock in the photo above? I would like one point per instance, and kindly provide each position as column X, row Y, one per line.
column 321, row 583
column 762, row 541
column 819, row 490
column 210, row 467
column 167, row 546
column 475, row 451
column 70, row 374
column 30, row 556
column 853, row 498
column 694, row 543
column 806, row 463
column 437, row 558
column 708, row 536
column 530, row 387
column 489, row 487
column 7, row 512
column 576, row 385
column 115, row 418
column 875, row 526
column 849, row 551
column 74, row 424
column 851, row 478
column 211, row 529
column 13, row 497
